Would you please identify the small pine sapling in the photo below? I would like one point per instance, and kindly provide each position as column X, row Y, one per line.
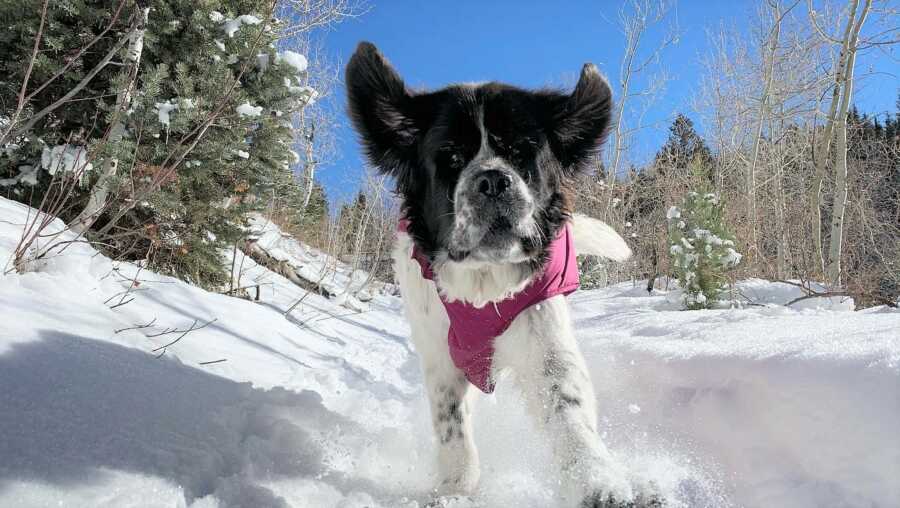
column 702, row 247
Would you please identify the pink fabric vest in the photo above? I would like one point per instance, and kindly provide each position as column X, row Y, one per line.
column 473, row 330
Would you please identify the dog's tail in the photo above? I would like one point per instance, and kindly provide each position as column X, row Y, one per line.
column 595, row 238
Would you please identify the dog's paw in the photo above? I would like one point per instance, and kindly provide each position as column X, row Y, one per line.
column 601, row 499
column 463, row 481
column 452, row 502
column 649, row 502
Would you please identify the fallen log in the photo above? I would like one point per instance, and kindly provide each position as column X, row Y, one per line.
column 282, row 267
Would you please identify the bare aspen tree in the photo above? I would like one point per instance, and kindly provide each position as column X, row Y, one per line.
column 641, row 81
column 636, row 18
column 315, row 125
column 758, row 91
column 761, row 103
column 836, row 127
column 840, row 165
column 303, row 16
column 769, row 59
column 822, row 148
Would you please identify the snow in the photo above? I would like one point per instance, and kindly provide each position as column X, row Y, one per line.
column 28, row 175
column 246, row 109
column 299, row 63
column 262, row 60
column 295, row 60
column 164, row 109
column 761, row 405
column 242, row 154
column 231, row 26
column 65, row 158
column 308, row 94
column 216, row 17
column 673, row 213
column 732, row 257
column 8, row 149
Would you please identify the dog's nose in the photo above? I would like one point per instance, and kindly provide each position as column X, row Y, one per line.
column 492, row 183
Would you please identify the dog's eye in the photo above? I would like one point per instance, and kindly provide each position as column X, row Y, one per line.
column 456, row 160
column 451, row 158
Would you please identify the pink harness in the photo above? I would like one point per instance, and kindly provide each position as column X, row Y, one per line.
column 473, row 330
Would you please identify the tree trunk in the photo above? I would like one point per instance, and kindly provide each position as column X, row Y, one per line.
column 630, row 49
column 782, row 243
column 763, row 108
column 310, row 169
column 820, row 153
column 840, row 155
column 101, row 190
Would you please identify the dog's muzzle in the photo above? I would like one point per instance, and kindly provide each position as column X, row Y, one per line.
column 493, row 214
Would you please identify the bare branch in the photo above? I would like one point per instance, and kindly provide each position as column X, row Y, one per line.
column 192, row 328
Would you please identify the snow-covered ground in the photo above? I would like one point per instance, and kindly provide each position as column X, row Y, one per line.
column 764, row 406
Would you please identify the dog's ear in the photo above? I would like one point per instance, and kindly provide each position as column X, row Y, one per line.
column 387, row 116
column 579, row 122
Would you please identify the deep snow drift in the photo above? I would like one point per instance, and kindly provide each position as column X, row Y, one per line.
column 763, row 406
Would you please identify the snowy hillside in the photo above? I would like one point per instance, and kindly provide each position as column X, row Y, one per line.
column 764, row 406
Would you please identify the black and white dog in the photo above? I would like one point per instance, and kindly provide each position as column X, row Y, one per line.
column 485, row 173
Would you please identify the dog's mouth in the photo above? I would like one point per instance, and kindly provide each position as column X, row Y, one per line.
column 494, row 240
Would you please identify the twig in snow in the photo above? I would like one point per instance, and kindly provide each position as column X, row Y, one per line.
column 214, row 361
column 813, row 294
column 134, row 281
column 121, row 303
column 193, row 327
column 747, row 300
column 137, row 327
column 335, row 316
column 238, row 289
column 167, row 331
column 123, row 294
column 802, row 285
column 295, row 304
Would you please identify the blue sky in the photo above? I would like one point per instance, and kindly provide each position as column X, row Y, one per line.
column 531, row 43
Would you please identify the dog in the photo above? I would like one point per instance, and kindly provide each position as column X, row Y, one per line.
column 485, row 252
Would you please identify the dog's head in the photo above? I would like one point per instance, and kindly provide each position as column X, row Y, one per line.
column 483, row 170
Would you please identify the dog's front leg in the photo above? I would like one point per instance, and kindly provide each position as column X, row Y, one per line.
column 445, row 385
column 541, row 349
column 447, row 390
column 451, row 417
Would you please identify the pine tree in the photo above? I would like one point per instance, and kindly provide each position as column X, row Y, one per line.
column 682, row 148
column 77, row 38
column 210, row 79
column 244, row 158
column 701, row 244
